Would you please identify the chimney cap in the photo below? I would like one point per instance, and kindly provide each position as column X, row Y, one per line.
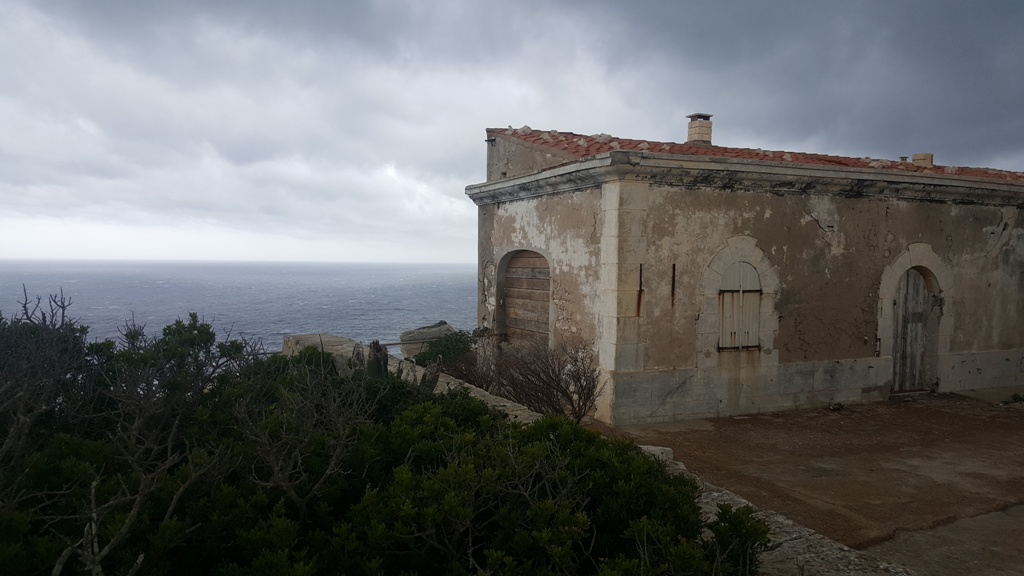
column 699, row 116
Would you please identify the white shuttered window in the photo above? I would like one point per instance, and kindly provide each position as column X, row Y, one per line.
column 740, row 302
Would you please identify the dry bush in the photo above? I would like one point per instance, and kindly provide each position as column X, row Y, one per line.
column 300, row 418
column 560, row 380
column 41, row 351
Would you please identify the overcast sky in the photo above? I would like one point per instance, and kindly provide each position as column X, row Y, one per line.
column 347, row 131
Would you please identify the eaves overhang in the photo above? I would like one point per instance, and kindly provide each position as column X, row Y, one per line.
column 745, row 175
column 578, row 175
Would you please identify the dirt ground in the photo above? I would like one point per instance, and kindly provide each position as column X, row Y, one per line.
column 933, row 482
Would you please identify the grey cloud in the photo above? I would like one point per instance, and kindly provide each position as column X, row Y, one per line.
column 336, row 122
column 872, row 77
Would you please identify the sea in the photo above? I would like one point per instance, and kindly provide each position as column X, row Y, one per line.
column 262, row 300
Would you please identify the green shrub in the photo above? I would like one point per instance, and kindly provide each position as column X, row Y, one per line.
column 447, row 350
column 179, row 454
column 739, row 538
column 458, row 355
column 548, row 498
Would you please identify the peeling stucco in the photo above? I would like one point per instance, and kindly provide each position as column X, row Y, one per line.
column 563, row 229
column 630, row 238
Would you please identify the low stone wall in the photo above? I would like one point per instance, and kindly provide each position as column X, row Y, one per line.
column 796, row 550
column 979, row 370
column 341, row 348
column 664, row 396
column 650, row 396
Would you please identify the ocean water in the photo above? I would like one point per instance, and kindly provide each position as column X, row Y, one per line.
column 254, row 300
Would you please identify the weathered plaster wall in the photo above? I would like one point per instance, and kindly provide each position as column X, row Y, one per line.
column 665, row 395
column 509, row 158
column 830, row 254
column 985, row 248
column 565, row 228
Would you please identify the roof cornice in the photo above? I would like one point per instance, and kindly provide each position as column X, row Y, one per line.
column 745, row 175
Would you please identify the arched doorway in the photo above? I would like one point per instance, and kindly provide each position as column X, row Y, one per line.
column 917, row 309
column 525, row 305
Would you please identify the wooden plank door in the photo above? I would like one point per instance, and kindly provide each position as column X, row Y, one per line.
column 527, row 299
column 910, row 341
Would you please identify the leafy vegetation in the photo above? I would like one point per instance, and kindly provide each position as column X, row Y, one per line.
column 183, row 455
column 449, row 350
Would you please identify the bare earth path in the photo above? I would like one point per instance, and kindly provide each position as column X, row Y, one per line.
column 937, row 478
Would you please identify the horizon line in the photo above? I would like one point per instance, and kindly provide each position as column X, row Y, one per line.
column 222, row 261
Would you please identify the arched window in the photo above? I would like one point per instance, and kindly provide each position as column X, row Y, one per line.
column 739, row 300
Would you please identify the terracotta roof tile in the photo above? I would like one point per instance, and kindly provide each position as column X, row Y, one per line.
column 579, row 147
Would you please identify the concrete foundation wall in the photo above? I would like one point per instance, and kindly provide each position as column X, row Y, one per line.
column 665, row 395
column 976, row 370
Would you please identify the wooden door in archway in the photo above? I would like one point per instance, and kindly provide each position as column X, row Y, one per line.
column 527, row 301
column 915, row 332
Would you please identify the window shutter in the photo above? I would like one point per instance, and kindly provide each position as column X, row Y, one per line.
column 740, row 307
column 751, row 305
column 730, row 324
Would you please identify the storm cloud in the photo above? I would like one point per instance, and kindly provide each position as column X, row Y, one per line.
column 347, row 131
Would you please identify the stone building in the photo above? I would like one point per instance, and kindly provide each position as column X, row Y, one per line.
column 714, row 280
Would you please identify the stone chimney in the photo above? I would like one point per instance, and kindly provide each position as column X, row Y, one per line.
column 698, row 132
column 923, row 160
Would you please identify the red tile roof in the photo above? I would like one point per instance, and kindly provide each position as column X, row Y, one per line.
column 578, row 146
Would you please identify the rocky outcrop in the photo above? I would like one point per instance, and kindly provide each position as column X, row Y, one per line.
column 419, row 338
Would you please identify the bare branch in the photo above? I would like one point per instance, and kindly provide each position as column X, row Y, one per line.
column 561, row 380
column 314, row 411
